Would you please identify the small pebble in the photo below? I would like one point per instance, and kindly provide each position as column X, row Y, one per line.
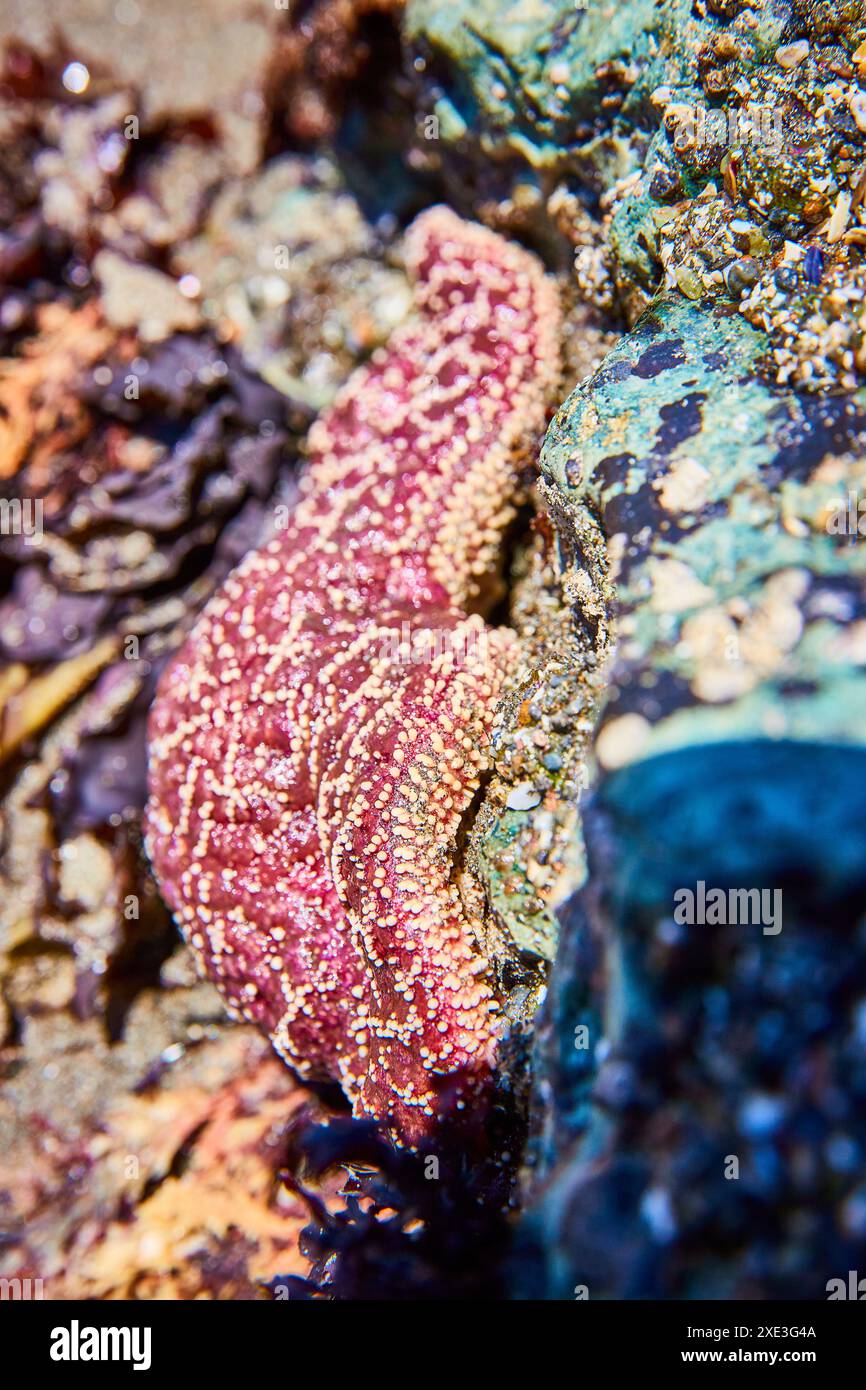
column 785, row 279
column 839, row 220
column 741, row 275
column 76, row 78
column 857, row 107
column 791, row 55
column 688, row 282
column 760, row 1115
column 657, row 1210
column 814, row 265
column 853, row 1214
column 523, row 797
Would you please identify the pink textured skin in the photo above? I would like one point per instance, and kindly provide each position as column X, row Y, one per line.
column 308, row 770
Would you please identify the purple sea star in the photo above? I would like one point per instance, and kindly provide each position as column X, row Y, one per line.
column 318, row 740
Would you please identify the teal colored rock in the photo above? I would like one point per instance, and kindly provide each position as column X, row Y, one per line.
column 701, row 1099
column 740, row 609
column 738, row 603
column 548, row 81
column 699, row 150
column 679, row 1150
column 528, row 78
column 700, row 486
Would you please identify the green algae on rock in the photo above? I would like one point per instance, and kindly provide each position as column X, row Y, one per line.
column 536, row 79
column 558, row 90
column 730, row 587
column 714, row 147
column 730, row 753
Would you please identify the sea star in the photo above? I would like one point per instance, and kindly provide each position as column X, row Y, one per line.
column 319, row 739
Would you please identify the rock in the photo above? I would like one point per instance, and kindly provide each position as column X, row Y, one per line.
column 142, row 298
column 523, row 798
column 289, row 268
column 737, row 609
column 549, row 84
column 730, row 758
column 183, row 69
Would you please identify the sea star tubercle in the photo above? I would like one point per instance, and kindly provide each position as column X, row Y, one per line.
column 318, row 740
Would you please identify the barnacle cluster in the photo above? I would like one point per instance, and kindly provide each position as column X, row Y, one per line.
column 771, row 147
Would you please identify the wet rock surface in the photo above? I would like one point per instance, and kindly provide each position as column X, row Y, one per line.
column 690, row 1063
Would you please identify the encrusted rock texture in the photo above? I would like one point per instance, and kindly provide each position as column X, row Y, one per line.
column 705, row 163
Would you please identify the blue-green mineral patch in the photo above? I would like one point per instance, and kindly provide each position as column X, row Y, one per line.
column 692, row 477
column 676, row 1052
